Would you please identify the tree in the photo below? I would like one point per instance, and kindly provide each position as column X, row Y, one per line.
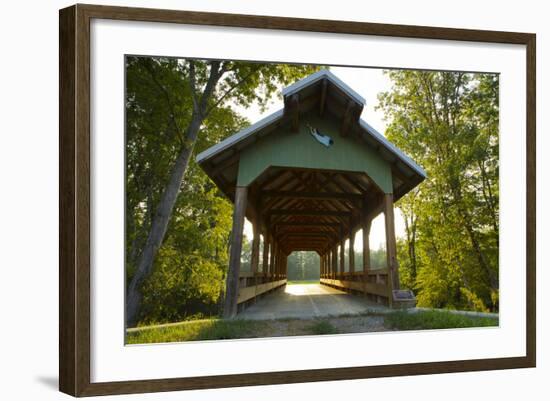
column 448, row 122
column 169, row 102
column 303, row 265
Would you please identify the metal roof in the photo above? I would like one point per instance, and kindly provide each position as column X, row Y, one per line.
column 241, row 139
column 239, row 136
column 318, row 76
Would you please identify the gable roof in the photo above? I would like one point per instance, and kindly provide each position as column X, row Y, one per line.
column 320, row 87
column 319, row 76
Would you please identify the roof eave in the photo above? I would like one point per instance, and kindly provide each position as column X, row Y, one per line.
column 239, row 136
column 381, row 139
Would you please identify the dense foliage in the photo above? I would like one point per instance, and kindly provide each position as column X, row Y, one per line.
column 164, row 99
column 448, row 123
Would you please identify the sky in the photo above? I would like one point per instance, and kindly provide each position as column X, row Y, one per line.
column 368, row 82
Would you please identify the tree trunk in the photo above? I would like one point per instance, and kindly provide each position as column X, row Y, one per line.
column 232, row 282
column 158, row 227
column 163, row 213
column 467, row 221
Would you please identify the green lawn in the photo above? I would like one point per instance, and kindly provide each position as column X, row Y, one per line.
column 208, row 329
column 290, row 282
column 323, row 327
column 220, row 329
column 435, row 320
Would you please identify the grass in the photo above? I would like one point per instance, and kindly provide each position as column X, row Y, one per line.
column 322, row 327
column 290, row 282
column 221, row 329
column 435, row 320
column 209, row 329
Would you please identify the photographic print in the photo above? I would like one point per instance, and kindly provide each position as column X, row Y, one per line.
column 312, row 200
column 272, row 199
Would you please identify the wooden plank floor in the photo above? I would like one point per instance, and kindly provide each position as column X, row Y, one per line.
column 305, row 301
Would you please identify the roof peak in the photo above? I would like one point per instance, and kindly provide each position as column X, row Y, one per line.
column 318, row 76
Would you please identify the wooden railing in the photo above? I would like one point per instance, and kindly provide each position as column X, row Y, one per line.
column 373, row 283
column 252, row 285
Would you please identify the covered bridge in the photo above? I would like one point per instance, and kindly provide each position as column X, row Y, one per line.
column 308, row 177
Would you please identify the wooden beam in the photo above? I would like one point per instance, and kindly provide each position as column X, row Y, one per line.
column 347, row 119
column 353, row 183
column 323, row 98
column 366, row 224
column 335, row 261
column 307, row 224
column 391, row 245
column 395, row 171
column 255, row 257
column 271, row 181
column 232, row 283
column 265, row 253
column 351, row 115
column 292, row 110
column 311, row 195
column 329, row 234
column 274, row 201
column 308, row 212
column 351, row 252
column 289, row 243
column 224, row 164
column 272, row 250
column 311, row 245
column 302, row 238
column 342, row 255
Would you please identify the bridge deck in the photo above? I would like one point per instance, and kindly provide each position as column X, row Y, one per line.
column 304, row 301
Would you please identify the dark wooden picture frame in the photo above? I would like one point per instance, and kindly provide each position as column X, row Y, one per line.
column 74, row 203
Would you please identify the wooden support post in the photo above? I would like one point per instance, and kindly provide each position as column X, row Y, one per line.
column 351, row 252
column 274, row 271
column 283, row 265
column 279, row 264
column 335, row 261
column 323, row 98
column 366, row 245
column 271, row 256
column 265, row 255
column 342, row 256
column 292, row 110
column 330, row 263
column 255, row 257
column 232, row 282
column 276, row 260
column 391, row 245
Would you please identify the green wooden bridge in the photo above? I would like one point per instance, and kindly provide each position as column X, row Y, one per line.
column 309, row 177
